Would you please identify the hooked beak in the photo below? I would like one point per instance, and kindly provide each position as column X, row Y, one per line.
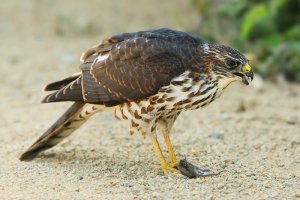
column 245, row 73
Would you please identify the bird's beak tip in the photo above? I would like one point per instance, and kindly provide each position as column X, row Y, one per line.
column 248, row 74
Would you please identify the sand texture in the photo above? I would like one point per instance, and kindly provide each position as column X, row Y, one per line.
column 253, row 133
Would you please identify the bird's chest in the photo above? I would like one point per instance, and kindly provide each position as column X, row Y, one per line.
column 183, row 93
column 187, row 93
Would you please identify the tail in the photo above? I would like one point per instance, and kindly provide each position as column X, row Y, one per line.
column 72, row 119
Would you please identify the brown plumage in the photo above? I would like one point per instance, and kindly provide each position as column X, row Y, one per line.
column 149, row 77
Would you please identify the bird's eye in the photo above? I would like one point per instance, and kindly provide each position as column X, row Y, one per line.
column 232, row 63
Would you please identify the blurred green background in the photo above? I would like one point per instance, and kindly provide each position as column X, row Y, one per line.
column 268, row 31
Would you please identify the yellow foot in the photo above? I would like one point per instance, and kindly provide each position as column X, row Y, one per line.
column 168, row 168
column 165, row 167
column 174, row 165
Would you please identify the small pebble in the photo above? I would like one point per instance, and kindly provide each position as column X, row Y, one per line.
column 225, row 116
column 293, row 119
column 217, row 135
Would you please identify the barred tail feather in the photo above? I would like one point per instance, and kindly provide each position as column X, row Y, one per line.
column 72, row 119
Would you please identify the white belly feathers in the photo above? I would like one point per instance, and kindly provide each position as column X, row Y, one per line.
column 183, row 93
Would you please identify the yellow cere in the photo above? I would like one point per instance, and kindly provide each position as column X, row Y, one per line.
column 247, row 68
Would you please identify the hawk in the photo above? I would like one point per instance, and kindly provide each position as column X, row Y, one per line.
column 149, row 78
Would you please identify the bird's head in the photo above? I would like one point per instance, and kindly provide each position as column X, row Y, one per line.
column 228, row 64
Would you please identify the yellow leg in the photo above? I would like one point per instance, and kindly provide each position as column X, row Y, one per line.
column 161, row 158
column 172, row 155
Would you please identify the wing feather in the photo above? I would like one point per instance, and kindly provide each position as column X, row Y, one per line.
column 128, row 67
column 138, row 68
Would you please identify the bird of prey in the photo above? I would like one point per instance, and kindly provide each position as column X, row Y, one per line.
column 149, row 78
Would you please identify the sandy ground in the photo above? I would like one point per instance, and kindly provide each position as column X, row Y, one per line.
column 254, row 135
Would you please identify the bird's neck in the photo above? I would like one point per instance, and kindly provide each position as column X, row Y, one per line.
column 223, row 83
